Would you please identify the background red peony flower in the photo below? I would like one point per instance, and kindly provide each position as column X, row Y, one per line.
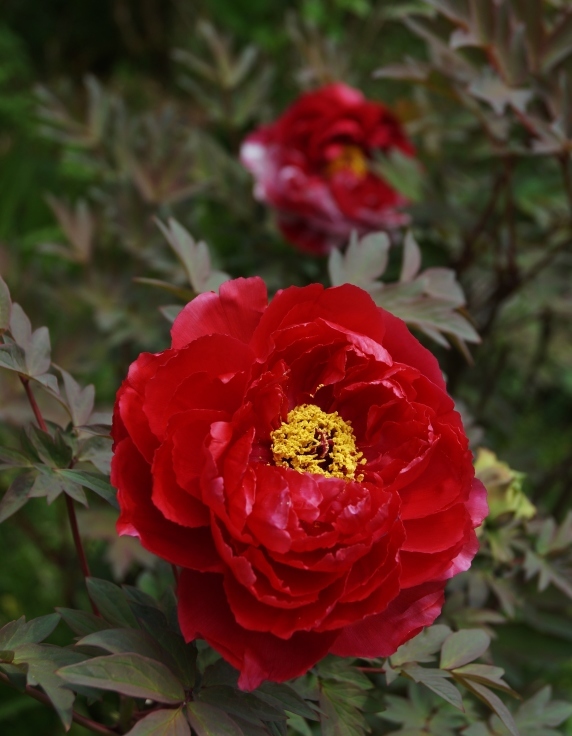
column 313, row 166
column 304, row 464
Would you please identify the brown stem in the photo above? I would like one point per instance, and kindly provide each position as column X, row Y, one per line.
column 77, row 717
column 69, row 501
column 32, row 399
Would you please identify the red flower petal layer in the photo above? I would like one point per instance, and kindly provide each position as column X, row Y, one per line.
column 281, row 567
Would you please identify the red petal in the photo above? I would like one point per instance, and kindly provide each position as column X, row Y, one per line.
column 382, row 634
column 404, row 348
column 204, row 612
column 139, row 517
column 235, row 311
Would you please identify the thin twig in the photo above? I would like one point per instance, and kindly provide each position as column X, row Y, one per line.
column 77, row 717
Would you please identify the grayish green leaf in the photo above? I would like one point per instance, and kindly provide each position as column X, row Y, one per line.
column 97, row 483
column 494, row 703
column 422, row 647
column 128, row 674
column 80, row 401
column 111, row 603
column 463, row 647
column 82, row 623
column 210, row 721
column 16, row 496
column 437, row 681
column 162, row 723
column 17, row 633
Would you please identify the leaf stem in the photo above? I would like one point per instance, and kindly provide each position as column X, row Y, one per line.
column 77, row 717
column 69, row 501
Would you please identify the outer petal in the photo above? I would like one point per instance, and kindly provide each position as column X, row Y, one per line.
column 204, row 613
column 382, row 634
column 140, row 518
column 235, row 311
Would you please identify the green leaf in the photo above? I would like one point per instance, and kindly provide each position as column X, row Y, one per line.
column 80, row 401
column 494, row 703
column 284, row 696
column 486, row 675
column 50, row 484
column 14, row 458
column 128, row 674
column 16, row 496
column 210, row 721
column 402, row 172
column 52, row 450
column 13, row 357
column 42, row 662
column 20, row 326
column 17, row 674
column 38, row 353
column 97, row 450
column 111, row 603
column 82, row 623
column 539, row 713
column 558, row 45
column 435, row 680
column 17, row 633
column 422, row 647
column 5, row 306
column 364, row 260
column 119, row 641
column 246, row 705
column 162, row 723
column 95, row 482
column 463, row 647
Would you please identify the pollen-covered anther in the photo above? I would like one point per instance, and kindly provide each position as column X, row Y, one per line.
column 350, row 159
column 313, row 441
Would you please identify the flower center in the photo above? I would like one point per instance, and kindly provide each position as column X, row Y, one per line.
column 312, row 441
column 350, row 159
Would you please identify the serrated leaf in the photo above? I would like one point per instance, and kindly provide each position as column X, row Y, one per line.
column 5, row 306
column 17, row 633
column 111, row 603
column 53, row 450
column 80, row 401
column 435, row 680
column 16, row 496
column 463, row 647
column 194, row 256
column 96, row 483
column 97, row 450
column 162, row 723
column 364, row 260
column 494, row 703
column 82, row 623
column 210, row 721
column 128, row 674
column 422, row 647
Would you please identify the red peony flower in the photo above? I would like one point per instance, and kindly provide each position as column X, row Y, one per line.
column 304, row 465
column 313, row 166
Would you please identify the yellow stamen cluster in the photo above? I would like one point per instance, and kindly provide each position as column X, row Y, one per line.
column 312, row 441
column 351, row 159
